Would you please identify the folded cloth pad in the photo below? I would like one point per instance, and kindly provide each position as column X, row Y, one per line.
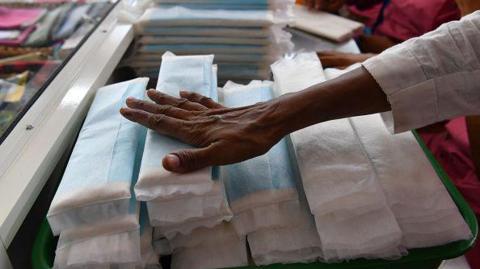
column 103, row 244
column 210, row 31
column 261, row 189
column 97, row 181
column 179, row 16
column 203, row 40
column 299, row 243
column 181, row 202
column 351, row 213
column 424, row 209
column 217, row 247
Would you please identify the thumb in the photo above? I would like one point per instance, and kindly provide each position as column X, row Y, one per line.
column 190, row 159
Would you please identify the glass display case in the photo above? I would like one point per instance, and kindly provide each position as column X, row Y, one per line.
column 54, row 54
column 36, row 40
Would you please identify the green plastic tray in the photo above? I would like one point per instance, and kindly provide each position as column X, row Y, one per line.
column 45, row 243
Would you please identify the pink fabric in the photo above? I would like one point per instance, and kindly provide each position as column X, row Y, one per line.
column 449, row 143
column 405, row 19
column 20, row 39
column 369, row 16
column 15, row 18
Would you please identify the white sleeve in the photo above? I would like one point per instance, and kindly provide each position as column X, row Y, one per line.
column 433, row 77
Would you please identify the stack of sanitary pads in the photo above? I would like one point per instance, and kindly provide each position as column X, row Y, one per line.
column 216, row 247
column 94, row 210
column 261, row 190
column 364, row 206
column 276, row 5
column 245, row 42
column 179, row 203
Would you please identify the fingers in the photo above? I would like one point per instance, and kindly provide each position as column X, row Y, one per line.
column 203, row 100
column 158, row 122
column 192, row 159
column 165, row 99
column 159, row 109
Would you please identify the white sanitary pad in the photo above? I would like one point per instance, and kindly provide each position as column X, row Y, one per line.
column 299, row 243
column 180, row 16
column 97, row 181
column 424, row 209
column 179, row 203
column 101, row 245
column 217, row 247
column 339, row 181
column 259, row 190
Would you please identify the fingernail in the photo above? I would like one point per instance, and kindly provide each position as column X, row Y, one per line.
column 125, row 111
column 171, row 162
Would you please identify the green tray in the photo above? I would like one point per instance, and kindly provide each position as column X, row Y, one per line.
column 45, row 243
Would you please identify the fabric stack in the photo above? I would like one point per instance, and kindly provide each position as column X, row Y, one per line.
column 94, row 210
column 180, row 203
column 217, row 247
column 263, row 195
column 244, row 42
column 359, row 195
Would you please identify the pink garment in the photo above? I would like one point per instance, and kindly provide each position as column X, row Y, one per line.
column 449, row 143
column 404, row 19
column 369, row 16
column 18, row 41
column 15, row 18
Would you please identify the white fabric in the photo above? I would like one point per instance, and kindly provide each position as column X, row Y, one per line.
column 218, row 31
column 297, row 73
column 262, row 185
column 324, row 24
column 299, row 243
column 352, row 217
column 96, row 183
column 180, row 16
column 202, row 40
column 177, row 73
column 217, row 247
column 433, row 77
column 114, row 242
column 423, row 207
column 179, row 203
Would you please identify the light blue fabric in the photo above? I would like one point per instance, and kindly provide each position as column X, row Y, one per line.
column 206, row 31
column 180, row 16
column 104, row 162
column 194, row 73
column 220, row 6
column 269, row 172
column 204, row 48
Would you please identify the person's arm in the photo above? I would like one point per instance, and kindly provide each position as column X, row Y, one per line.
column 433, row 77
column 424, row 80
column 229, row 135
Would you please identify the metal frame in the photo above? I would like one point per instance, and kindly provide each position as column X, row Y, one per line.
column 30, row 152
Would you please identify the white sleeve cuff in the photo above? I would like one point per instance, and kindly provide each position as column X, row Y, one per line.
column 411, row 96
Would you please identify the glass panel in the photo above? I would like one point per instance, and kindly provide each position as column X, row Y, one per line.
column 37, row 38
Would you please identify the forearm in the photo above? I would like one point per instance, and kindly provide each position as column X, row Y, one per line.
column 353, row 94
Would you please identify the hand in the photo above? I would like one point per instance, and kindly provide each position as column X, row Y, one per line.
column 222, row 135
column 332, row 6
column 341, row 60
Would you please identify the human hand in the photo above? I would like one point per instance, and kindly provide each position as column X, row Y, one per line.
column 222, row 135
column 341, row 60
column 332, row 6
